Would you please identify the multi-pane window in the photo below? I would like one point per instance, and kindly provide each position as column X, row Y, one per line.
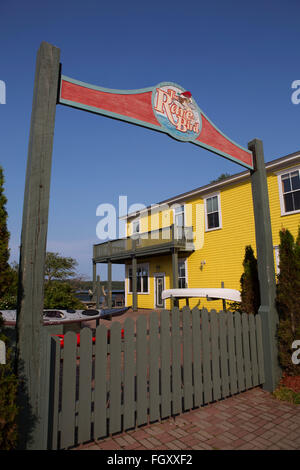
column 182, row 281
column 291, row 191
column 179, row 221
column 179, row 216
column 142, row 277
column 136, row 226
column 212, row 212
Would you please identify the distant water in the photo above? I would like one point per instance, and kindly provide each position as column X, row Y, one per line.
column 84, row 296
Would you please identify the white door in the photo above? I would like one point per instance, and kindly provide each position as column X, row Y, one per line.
column 159, row 287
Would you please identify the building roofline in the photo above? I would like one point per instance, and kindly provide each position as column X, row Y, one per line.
column 211, row 187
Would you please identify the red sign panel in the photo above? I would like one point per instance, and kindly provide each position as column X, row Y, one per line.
column 167, row 108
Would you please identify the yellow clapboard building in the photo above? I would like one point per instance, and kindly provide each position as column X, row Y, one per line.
column 197, row 239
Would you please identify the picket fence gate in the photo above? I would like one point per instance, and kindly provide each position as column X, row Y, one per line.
column 178, row 361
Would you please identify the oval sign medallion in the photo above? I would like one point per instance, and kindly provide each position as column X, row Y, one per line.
column 176, row 111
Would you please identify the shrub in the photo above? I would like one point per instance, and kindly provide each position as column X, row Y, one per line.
column 8, row 302
column 8, row 398
column 5, row 269
column 61, row 295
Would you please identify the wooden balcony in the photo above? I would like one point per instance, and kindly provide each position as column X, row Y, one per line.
column 161, row 241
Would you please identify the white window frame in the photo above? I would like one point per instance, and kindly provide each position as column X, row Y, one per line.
column 127, row 277
column 281, row 199
column 218, row 194
column 136, row 221
column 174, row 213
column 184, row 260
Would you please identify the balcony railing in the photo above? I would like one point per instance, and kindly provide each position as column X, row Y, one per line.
column 148, row 242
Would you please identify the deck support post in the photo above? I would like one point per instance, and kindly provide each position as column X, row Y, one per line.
column 109, row 284
column 175, row 274
column 33, row 417
column 134, row 285
column 97, row 292
column 94, row 280
column 265, row 264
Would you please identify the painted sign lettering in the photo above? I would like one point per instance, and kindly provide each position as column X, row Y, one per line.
column 177, row 112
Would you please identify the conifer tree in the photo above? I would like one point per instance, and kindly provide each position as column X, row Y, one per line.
column 250, row 296
column 288, row 295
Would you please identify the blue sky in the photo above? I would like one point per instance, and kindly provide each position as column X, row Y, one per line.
column 238, row 59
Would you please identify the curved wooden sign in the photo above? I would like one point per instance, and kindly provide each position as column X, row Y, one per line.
column 166, row 107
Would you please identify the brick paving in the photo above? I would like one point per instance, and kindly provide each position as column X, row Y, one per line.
column 252, row 420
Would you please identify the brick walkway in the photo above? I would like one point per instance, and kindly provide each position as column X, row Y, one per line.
column 251, row 420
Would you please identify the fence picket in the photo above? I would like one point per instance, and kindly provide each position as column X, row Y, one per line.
column 197, row 359
column 129, row 374
column 154, row 368
column 253, row 350
column 247, row 363
column 232, row 354
column 224, row 355
column 207, row 382
column 68, row 391
column 215, row 355
column 54, row 391
column 187, row 359
column 176, row 362
column 100, row 392
column 115, row 378
column 142, row 369
column 165, row 344
column 85, row 386
column 239, row 352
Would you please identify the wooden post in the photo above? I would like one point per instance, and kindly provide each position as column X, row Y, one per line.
column 109, row 284
column 94, row 280
column 134, row 285
column 175, row 274
column 98, row 292
column 223, row 300
column 33, row 247
column 265, row 264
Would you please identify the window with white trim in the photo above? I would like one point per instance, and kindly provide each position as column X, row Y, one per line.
column 135, row 225
column 212, row 212
column 179, row 216
column 289, row 190
column 142, row 279
column 179, row 221
column 182, row 274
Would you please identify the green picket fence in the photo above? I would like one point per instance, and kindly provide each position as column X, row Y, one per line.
column 177, row 361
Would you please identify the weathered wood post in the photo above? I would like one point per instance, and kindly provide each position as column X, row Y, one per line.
column 98, row 292
column 134, row 285
column 109, row 284
column 175, row 301
column 30, row 343
column 94, row 278
column 265, row 263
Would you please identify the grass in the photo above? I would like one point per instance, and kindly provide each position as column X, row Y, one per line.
column 286, row 394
